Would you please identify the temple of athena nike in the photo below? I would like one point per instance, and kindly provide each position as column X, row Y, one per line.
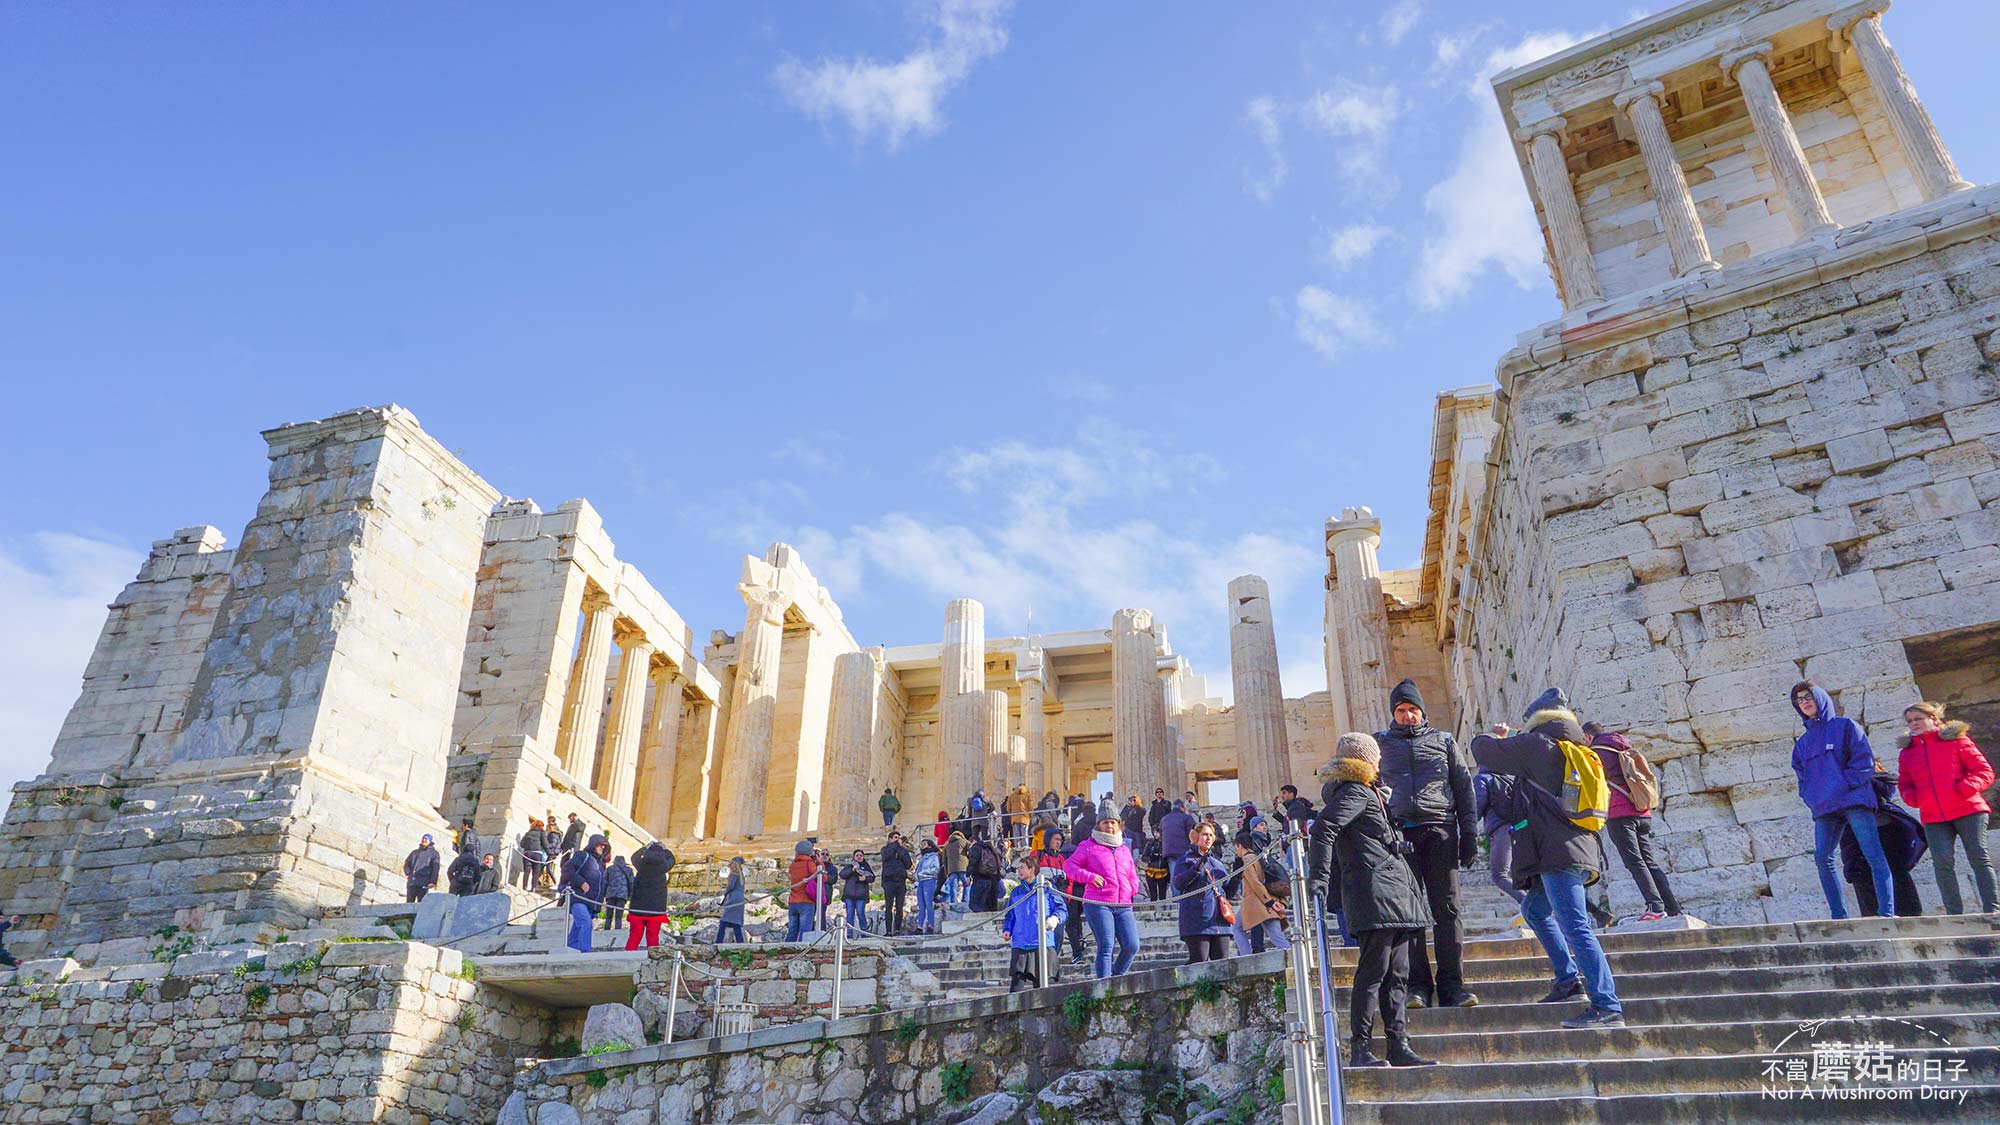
column 1761, row 441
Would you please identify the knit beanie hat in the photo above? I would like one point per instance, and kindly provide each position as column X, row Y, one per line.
column 1550, row 699
column 1406, row 692
column 1359, row 746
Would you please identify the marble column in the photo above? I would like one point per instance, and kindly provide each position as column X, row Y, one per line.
column 698, row 770
column 659, row 754
column 583, row 702
column 1138, row 726
column 1678, row 220
column 1364, row 621
column 1034, row 728
column 1575, row 271
column 1172, row 669
column 993, row 732
column 850, row 740
column 619, row 768
column 1786, row 156
column 1017, row 764
column 1930, row 162
column 1263, row 746
column 753, row 712
column 962, row 701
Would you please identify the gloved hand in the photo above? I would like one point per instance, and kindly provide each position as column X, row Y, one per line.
column 1053, row 923
column 1468, row 852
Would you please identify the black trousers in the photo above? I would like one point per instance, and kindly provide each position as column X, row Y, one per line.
column 892, row 905
column 415, row 894
column 1205, row 947
column 1024, row 971
column 1381, row 981
column 1633, row 837
column 1073, row 925
column 1908, row 903
column 614, row 913
column 1436, row 866
column 985, row 894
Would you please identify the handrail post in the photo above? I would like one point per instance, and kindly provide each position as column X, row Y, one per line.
column 1324, row 995
column 673, row 996
column 1302, row 1029
column 1041, row 930
column 839, row 953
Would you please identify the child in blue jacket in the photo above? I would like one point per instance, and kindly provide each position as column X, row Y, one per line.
column 1026, row 932
column 1836, row 772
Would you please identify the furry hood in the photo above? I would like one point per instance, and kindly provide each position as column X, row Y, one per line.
column 1563, row 719
column 1348, row 769
column 1950, row 732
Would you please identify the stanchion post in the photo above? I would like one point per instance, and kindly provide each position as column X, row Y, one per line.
column 1333, row 1112
column 1041, row 929
column 839, row 957
column 1305, row 1028
column 673, row 995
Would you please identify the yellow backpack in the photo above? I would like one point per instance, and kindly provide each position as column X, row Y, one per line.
column 1585, row 793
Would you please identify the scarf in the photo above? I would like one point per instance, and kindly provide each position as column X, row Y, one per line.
column 1108, row 839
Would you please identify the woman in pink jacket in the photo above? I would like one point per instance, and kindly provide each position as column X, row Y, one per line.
column 1943, row 776
column 1103, row 865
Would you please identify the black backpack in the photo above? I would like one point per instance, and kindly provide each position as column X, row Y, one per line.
column 985, row 862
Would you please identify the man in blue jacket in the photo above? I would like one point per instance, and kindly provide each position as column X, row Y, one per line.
column 1836, row 770
column 1027, row 932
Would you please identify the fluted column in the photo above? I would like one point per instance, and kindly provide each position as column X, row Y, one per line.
column 1930, row 161
column 1364, row 633
column 1172, row 668
column 1575, row 271
column 1138, row 726
column 993, row 737
column 1670, row 190
column 1034, row 729
column 659, row 755
column 962, row 701
column 1263, row 747
column 1787, row 157
column 1017, row 763
column 619, row 768
column 851, row 739
column 753, row 712
column 962, row 662
column 583, row 701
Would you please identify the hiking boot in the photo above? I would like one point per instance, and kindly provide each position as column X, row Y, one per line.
column 1417, row 1000
column 1359, row 1054
column 1462, row 1000
column 1401, row 1055
column 1594, row 1017
column 1563, row 990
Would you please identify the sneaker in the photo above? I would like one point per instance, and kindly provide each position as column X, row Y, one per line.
column 1563, row 990
column 1594, row 1017
column 1416, row 1001
column 1651, row 916
column 1462, row 1000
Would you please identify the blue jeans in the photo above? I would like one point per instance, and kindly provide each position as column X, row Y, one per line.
column 799, row 919
column 1106, row 922
column 1826, row 856
column 888, row 818
column 722, row 928
column 926, row 903
column 857, row 915
column 1555, row 910
column 954, row 888
column 581, row 922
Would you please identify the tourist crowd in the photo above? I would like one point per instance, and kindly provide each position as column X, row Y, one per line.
column 1401, row 814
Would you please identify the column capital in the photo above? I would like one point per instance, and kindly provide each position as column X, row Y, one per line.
column 766, row 602
column 1533, row 129
column 1730, row 60
column 1839, row 22
column 1654, row 91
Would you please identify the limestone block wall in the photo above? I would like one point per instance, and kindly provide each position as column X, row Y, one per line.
column 136, row 686
column 1792, row 475
column 1414, row 652
column 376, row 1031
column 1210, row 733
column 1138, row 1037
column 788, row 983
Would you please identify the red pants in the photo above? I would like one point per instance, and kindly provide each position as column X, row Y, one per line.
column 647, row 925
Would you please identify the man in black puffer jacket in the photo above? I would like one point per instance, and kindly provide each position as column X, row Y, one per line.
column 1554, row 858
column 1430, row 798
column 896, row 861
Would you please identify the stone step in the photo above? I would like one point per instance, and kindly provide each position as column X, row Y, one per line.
column 1703, row 981
column 1536, row 965
column 1768, row 1026
column 1901, row 1000
column 1608, row 1078
column 1980, row 1103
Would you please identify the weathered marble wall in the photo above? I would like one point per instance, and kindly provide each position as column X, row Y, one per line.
column 1793, row 473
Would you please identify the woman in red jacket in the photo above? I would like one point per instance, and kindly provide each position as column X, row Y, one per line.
column 1942, row 775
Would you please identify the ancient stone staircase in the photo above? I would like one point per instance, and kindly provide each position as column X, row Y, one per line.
column 1709, row 1012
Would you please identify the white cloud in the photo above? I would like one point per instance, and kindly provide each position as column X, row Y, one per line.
column 1350, row 244
column 53, row 591
column 1398, row 19
column 895, row 99
column 1332, row 324
column 1480, row 214
column 1262, row 117
column 1354, row 109
column 1070, row 540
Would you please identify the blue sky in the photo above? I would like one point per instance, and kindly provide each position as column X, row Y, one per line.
column 1065, row 307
